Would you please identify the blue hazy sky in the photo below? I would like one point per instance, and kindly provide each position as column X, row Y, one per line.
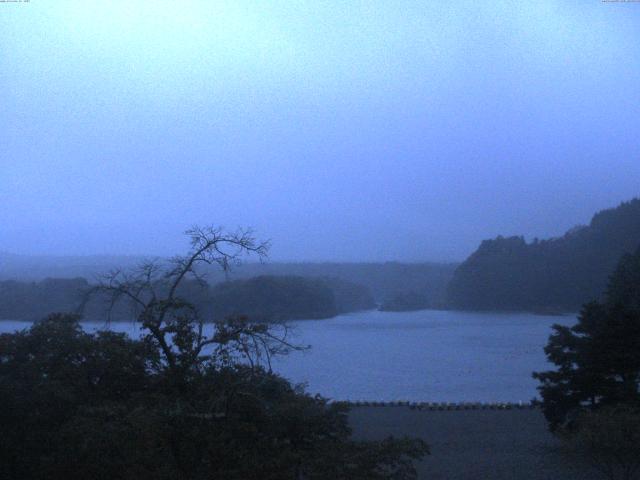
column 342, row 130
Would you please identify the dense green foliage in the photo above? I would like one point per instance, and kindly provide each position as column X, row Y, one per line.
column 559, row 274
column 598, row 359
column 75, row 405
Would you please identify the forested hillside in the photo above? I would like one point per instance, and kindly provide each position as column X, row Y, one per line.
column 558, row 274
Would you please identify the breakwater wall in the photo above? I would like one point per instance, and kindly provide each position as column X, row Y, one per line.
column 444, row 406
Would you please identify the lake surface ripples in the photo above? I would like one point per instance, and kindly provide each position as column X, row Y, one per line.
column 429, row 355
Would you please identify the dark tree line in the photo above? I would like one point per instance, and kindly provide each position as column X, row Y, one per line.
column 559, row 274
column 276, row 298
column 35, row 300
column 263, row 298
column 381, row 280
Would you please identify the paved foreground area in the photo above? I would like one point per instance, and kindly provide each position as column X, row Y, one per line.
column 475, row 444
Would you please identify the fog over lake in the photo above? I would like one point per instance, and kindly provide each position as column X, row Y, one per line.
column 428, row 355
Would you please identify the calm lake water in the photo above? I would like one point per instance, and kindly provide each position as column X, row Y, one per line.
column 430, row 355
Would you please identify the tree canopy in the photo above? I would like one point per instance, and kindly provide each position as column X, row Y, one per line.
column 598, row 359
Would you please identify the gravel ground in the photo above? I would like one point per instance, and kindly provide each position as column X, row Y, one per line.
column 475, row 444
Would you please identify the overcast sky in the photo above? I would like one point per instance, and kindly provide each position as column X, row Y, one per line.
column 342, row 130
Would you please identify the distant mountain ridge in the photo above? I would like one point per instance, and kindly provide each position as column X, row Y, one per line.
column 558, row 274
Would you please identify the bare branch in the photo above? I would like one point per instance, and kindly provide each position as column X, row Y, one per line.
column 152, row 289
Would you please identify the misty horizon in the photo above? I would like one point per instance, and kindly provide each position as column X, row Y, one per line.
column 113, row 256
column 341, row 132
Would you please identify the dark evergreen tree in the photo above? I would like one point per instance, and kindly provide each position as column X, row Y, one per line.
column 598, row 359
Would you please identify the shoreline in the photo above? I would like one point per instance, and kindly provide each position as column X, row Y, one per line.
column 541, row 313
column 440, row 406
